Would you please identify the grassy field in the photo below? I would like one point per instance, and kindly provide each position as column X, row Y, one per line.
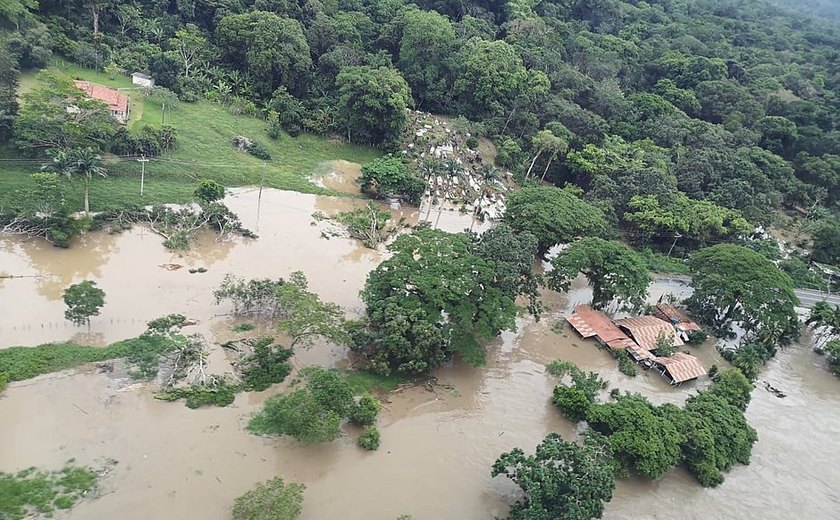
column 205, row 130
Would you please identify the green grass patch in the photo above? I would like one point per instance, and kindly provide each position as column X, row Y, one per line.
column 204, row 150
column 36, row 492
column 365, row 381
column 659, row 263
column 26, row 362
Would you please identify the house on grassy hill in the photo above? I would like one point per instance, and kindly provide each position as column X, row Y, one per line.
column 118, row 104
column 142, row 80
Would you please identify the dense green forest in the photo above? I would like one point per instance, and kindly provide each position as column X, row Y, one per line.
column 675, row 117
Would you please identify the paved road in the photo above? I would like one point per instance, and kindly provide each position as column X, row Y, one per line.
column 809, row 298
column 681, row 287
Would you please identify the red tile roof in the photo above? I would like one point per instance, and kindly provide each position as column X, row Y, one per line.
column 671, row 314
column 116, row 102
column 681, row 367
column 645, row 331
column 589, row 323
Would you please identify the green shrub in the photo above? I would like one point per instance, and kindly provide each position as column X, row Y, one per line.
column 270, row 500
column 625, row 365
column 472, row 143
column 369, row 438
column 32, row 491
column 573, row 402
column 389, row 177
column 259, row 151
column 222, row 393
column 365, row 411
column 4, row 381
column 267, row 365
column 697, row 337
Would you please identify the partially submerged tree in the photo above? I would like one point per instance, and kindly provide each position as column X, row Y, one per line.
column 436, row 295
column 270, row 500
column 209, row 191
column 553, row 216
column 736, row 285
column 561, row 480
column 825, row 320
column 84, row 300
column 614, row 271
column 311, row 414
column 301, row 314
column 388, row 176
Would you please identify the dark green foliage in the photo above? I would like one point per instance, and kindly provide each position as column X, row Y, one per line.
column 9, row 77
column 209, row 191
column 259, row 151
column 572, row 402
column 389, row 177
column 266, row 365
column 270, row 500
column 640, row 437
column 26, row 362
column 40, row 492
column 561, row 480
column 221, row 393
column 553, row 216
column 733, row 284
column 697, row 337
column 832, row 351
column 83, row 301
column 732, row 386
column 311, row 414
column 365, row 411
column 372, row 103
column 369, row 438
column 717, row 437
column 436, row 295
column 827, row 243
column 614, row 271
column 625, row 364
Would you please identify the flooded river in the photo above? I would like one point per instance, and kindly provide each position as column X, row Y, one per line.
column 437, row 446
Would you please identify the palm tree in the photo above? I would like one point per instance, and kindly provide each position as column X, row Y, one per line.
column 78, row 162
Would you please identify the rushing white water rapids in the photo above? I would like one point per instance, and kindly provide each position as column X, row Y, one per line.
column 437, row 447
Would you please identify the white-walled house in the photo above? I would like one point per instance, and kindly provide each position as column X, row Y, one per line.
column 142, row 80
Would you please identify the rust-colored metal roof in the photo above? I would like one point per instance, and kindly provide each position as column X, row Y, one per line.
column 638, row 353
column 591, row 323
column 116, row 102
column 681, row 367
column 645, row 330
column 671, row 314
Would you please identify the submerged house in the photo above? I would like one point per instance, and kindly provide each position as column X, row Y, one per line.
column 682, row 323
column 118, row 104
column 646, row 330
column 679, row 368
column 590, row 323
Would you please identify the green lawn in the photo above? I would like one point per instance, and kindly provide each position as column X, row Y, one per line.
column 205, row 151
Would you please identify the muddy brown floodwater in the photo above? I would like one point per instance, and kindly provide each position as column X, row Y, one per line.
column 437, row 447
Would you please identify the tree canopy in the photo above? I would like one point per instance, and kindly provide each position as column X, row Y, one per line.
column 614, row 271
column 441, row 293
column 561, row 480
column 552, row 215
column 734, row 284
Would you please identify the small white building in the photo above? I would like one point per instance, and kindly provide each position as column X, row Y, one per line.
column 142, row 80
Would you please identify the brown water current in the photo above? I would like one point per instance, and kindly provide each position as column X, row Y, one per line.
column 437, row 446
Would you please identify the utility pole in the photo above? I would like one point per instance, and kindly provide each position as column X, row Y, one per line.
column 142, row 160
column 259, row 197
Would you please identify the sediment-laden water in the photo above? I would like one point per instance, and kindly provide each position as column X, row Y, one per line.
column 437, row 446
